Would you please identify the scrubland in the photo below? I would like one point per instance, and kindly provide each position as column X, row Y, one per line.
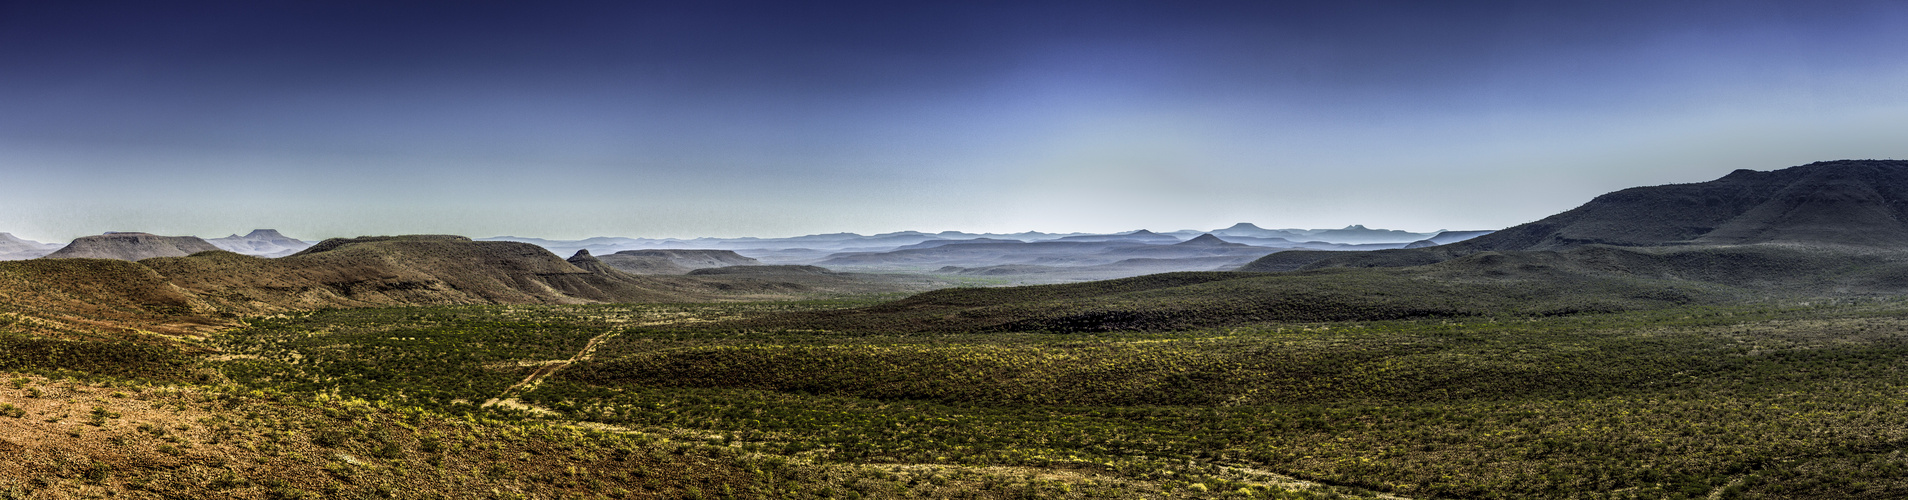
column 1775, row 400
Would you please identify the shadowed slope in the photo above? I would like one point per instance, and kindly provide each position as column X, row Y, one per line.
column 1847, row 203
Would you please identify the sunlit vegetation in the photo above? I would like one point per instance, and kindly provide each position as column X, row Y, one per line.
column 150, row 441
column 1774, row 401
column 1185, row 301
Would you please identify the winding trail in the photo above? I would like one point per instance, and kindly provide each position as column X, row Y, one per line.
column 543, row 372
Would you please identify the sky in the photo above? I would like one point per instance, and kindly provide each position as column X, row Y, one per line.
column 567, row 120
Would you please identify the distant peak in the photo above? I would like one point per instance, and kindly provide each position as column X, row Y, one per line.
column 264, row 233
column 1142, row 232
column 1204, row 239
column 1360, row 227
column 1243, row 225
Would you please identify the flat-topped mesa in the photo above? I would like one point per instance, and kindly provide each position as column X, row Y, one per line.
column 261, row 243
column 131, row 246
column 583, row 260
column 674, row 262
column 336, row 243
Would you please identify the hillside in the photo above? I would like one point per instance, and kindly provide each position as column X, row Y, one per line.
column 131, row 246
column 1846, row 202
column 415, row 270
column 1851, row 204
column 190, row 295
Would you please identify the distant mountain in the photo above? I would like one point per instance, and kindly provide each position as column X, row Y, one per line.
column 1446, row 237
column 261, row 243
column 975, row 254
column 15, row 248
column 1140, row 236
column 1208, row 240
column 1249, row 230
column 674, row 261
column 131, row 246
column 1360, row 234
column 762, row 271
column 937, row 243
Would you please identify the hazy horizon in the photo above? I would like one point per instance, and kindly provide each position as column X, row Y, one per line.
column 316, row 238
column 773, row 119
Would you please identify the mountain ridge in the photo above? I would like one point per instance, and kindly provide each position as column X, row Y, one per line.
column 1843, row 203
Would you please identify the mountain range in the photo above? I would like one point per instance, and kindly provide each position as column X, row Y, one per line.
column 205, row 290
column 14, row 248
column 1019, row 258
column 815, row 248
column 1827, row 229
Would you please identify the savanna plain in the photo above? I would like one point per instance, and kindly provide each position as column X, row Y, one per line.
column 1773, row 400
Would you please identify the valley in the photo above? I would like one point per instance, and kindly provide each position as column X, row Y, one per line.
column 1751, row 349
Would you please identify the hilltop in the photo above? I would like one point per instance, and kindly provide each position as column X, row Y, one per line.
column 131, row 246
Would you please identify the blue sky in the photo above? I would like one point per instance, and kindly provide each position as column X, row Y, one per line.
column 575, row 119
